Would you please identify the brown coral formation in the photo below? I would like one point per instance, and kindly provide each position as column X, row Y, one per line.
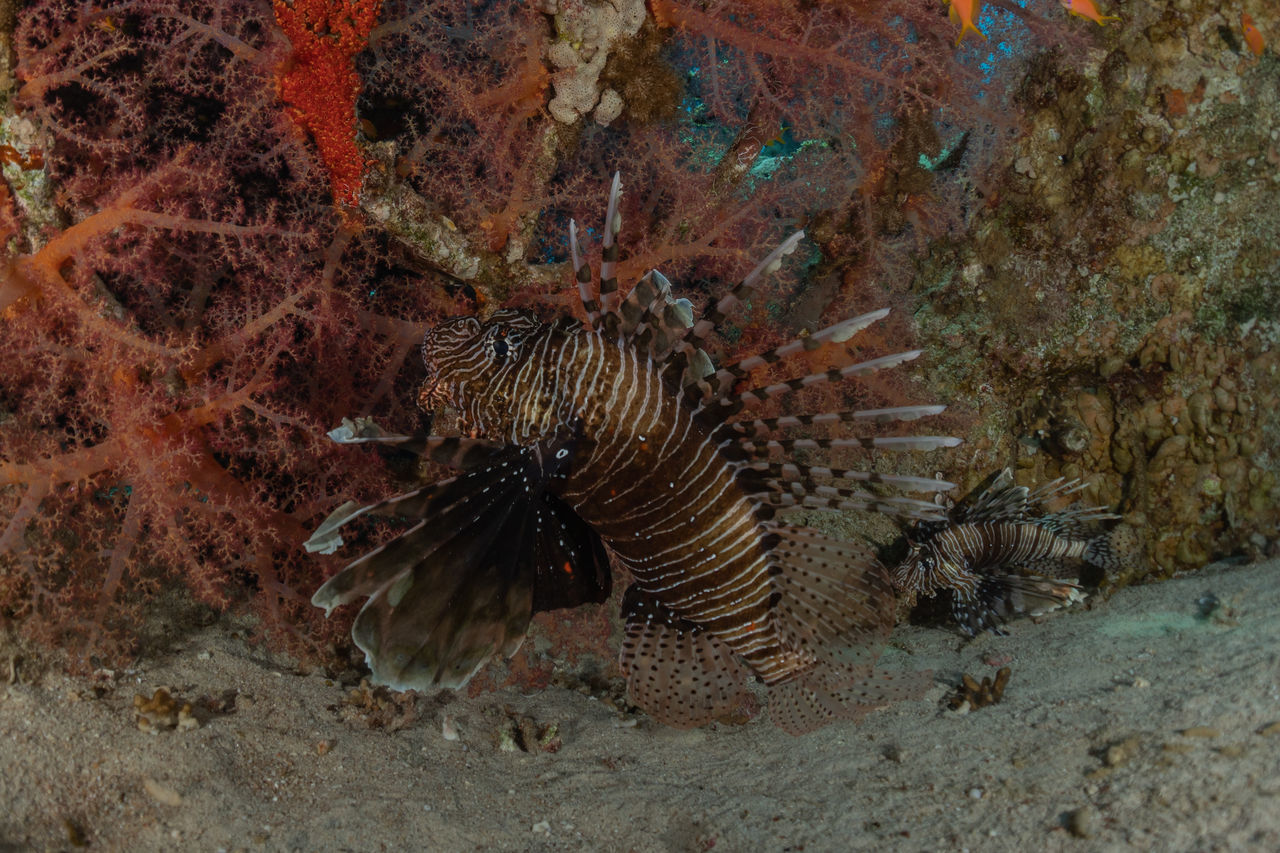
column 162, row 712
column 973, row 694
column 1114, row 315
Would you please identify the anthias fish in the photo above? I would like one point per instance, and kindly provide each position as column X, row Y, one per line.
column 1001, row 554
column 620, row 437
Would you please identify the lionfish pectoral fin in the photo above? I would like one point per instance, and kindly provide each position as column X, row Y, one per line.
column 676, row 671
column 999, row 598
column 436, row 626
column 571, row 565
column 326, row 539
column 489, row 547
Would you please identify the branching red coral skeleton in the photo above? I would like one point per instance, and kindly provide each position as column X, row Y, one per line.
column 225, row 286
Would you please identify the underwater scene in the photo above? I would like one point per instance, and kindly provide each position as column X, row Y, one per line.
column 640, row 425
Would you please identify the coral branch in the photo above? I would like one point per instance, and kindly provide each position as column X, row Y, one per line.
column 320, row 83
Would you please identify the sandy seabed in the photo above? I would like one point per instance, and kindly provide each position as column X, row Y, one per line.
column 1150, row 721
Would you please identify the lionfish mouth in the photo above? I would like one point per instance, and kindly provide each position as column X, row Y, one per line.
column 432, row 395
column 445, row 339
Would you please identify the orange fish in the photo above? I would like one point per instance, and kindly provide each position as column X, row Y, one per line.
column 1252, row 37
column 1087, row 9
column 963, row 12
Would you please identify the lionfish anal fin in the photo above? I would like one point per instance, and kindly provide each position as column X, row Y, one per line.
column 999, row 598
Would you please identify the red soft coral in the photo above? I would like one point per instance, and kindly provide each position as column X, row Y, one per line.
column 320, row 83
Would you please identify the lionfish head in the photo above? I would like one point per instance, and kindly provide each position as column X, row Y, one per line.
column 463, row 352
column 917, row 573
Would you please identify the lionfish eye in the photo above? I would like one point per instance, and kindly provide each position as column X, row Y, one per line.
column 500, row 348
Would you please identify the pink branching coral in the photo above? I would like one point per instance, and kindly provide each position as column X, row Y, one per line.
column 178, row 342
column 167, row 373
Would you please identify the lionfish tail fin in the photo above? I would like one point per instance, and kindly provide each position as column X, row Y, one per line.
column 802, row 706
column 1112, row 551
column 676, row 671
column 836, row 602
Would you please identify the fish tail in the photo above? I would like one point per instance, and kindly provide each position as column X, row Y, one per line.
column 1112, row 551
column 835, row 600
column 809, row 703
column 833, row 609
column 969, row 28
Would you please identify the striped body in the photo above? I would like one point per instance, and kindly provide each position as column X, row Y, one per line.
column 1003, row 553
column 955, row 557
column 652, row 483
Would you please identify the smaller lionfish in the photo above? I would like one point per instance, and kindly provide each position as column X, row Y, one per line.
column 1000, row 554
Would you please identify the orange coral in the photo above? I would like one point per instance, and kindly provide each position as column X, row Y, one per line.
column 320, row 83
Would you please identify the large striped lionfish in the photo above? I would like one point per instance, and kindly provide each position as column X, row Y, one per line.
column 621, row 437
column 1001, row 553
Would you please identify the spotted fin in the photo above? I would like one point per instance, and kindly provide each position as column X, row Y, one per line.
column 676, row 672
column 999, row 598
column 487, row 549
column 835, row 599
column 800, row 707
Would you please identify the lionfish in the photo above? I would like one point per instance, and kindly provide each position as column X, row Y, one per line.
column 620, row 437
column 1000, row 554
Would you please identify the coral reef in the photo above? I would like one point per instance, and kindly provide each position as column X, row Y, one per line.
column 1113, row 313
column 973, row 694
column 579, row 49
column 163, row 713
column 206, row 261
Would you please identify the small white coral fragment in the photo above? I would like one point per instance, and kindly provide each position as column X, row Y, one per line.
column 585, row 32
column 162, row 712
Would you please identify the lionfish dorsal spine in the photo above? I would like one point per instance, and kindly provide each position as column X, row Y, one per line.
column 718, row 311
column 735, row 401
column 786, row 472
column 609, row 252
column 582, row 275
column 762, row 426
column 733, row 371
